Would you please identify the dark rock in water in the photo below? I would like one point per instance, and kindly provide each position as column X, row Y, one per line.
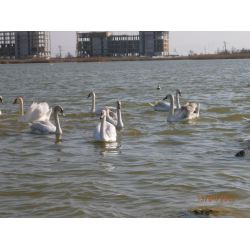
column 243, row 152
column 205, row 211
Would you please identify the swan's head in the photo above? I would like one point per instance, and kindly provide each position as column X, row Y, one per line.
column 118, row 103
column 103, row 114
column 168, row 96
column 91, row 94
column 17, row 100
column 59, row 109
column 178, row 91
column 1, row 99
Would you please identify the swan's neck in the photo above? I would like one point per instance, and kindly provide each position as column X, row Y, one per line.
column 103, row 127
column 93, row 103
column 20, row 107
column 171, row 110
column 119, row 118
column 58, row 127
column 177, row 101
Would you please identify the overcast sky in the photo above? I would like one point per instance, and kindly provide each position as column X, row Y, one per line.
column 180, row 41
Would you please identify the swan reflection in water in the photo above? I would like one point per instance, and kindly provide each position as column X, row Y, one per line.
column 58, row 138
column 108, row 148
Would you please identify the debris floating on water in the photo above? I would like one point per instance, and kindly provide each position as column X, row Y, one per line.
column 243, row 152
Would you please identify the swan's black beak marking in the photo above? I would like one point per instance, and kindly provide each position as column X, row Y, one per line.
column 180, row 95
column 165, row 97
column 15, row 101
column 88, row 96
column 1, row 100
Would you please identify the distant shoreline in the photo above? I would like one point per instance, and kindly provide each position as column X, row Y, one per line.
column 131, row 58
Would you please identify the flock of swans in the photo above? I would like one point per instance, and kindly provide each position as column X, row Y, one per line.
column 38, row 116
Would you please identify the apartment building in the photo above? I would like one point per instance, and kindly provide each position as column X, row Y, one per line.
column 106, row 44
column 24, row 44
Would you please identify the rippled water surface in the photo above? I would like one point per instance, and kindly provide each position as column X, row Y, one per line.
column 155, row 169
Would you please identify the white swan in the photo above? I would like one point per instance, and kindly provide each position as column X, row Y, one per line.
column 248, row 120
column 98, row 111
column 165, row 106
column 37, row 111
column 104, row 131
column 116, row 120
column 1, row 100
column 158, row 87
column 186, row 112
column 46, row 127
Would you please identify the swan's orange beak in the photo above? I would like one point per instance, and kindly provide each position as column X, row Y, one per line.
column 15, row 101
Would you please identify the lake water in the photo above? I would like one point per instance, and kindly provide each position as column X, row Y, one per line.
column 155, row 169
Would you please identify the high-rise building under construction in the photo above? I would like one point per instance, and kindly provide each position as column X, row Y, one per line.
column 141, row 43
column 24, row 44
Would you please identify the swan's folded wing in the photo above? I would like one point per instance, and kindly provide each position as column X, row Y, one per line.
column 110, row 131
column 191, row 108
column 181, row 110
column 42, row 127
column 162, row 104
column 111, row 120
column 96, row 133
column 112, row 115
column 185, row 111
column 113, row 109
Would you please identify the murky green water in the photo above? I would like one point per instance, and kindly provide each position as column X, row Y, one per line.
column 155, row 169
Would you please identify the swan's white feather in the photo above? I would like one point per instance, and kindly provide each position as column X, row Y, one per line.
column 109, row 135
column 42, row 127
column 161, row 106
column 186, row 112
column 111, row 117
column 248, row 120
column 99, row 111
column 46, row 127
column 165, row 106
column 37, row 111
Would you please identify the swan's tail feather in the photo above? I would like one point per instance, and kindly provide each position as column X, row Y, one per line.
column 153, row 106
column 248, row 120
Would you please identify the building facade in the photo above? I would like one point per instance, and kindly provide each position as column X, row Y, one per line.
column 7, row 44
column 106, row 44
column 24, row 44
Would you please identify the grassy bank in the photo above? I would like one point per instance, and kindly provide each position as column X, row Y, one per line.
column 130, row 58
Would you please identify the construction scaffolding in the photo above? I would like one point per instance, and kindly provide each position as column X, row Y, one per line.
column 25, row 44
column 122, row 43
column 7, row 44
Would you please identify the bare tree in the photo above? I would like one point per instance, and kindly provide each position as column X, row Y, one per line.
column 191, row 53
column 69, row 55
column 233, row 50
